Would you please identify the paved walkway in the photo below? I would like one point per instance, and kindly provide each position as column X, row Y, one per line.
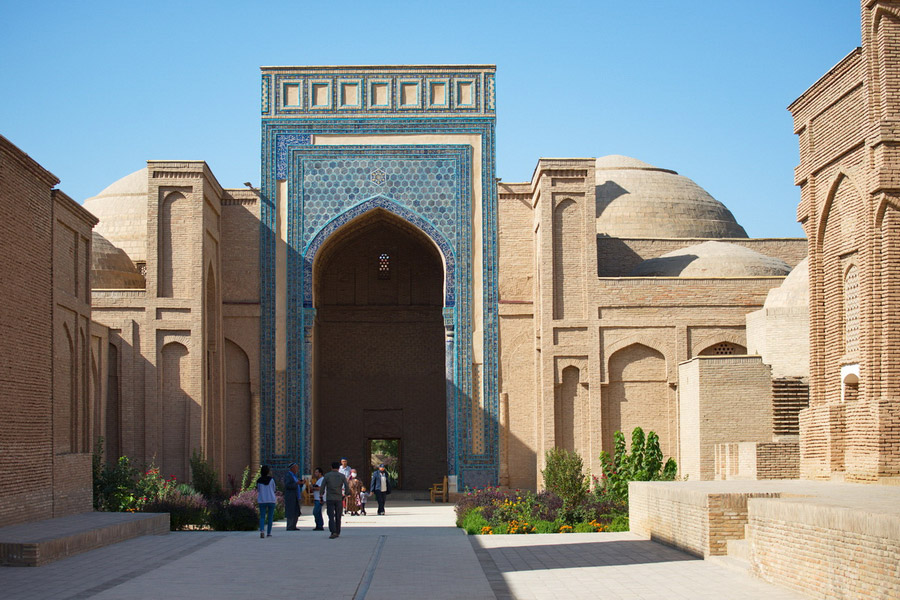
column 413, row 552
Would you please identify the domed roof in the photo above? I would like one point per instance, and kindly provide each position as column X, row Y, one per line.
column 635, row 199
column 122, row 210
column 712, row 259
column 793, row 291
column 111, row 269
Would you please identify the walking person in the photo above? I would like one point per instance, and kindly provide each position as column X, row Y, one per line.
column 336, row 488
column 356, row 487
column 292, row 487
column 265, row 497
column 381, row 486
column 318, row 499
column 345, row 471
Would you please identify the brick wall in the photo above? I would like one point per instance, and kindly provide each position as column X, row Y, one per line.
column 828, row 551
column 26, row 324
column 724, row 399
column 849, row 177
column 757, row 460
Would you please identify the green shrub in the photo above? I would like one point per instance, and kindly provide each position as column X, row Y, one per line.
column 114, row 486
column 584, row 527
column 617, row 522
column 564, row 476
column 473, row 522
column 234, row 517
column 542, row 526
column 204, row 478
column 643, row 463
column 185, row 510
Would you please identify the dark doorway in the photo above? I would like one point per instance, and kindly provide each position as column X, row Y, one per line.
column 379, row 347
column 386, row 452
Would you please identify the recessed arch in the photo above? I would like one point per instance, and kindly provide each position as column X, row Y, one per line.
column 384, row 205
column 843, row 174
column 638, row 395
column 379, row 346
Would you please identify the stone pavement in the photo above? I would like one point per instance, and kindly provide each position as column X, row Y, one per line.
column 413, row 552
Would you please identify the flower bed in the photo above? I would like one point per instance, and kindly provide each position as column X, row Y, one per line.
column 492, row 510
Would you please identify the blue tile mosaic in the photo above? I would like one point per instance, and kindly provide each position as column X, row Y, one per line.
column 429, row 186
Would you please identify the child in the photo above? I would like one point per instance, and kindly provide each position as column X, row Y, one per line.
column 362, row 501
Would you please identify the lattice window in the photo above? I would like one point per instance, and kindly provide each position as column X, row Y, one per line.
column 851, row 310
column 384, row 266
column 723, row 349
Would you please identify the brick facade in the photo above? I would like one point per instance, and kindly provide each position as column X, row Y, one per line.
column 45, row 368
column 587, row 350
column 849, row 176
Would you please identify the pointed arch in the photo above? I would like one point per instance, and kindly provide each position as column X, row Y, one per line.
column 842, row 174
column 638, row 395
column 443, row 245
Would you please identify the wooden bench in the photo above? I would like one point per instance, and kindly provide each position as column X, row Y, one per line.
column 439, row 492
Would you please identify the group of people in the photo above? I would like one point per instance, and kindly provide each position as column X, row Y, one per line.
column 340, row 491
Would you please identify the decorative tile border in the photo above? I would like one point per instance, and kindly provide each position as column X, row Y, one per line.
column 382, row 92
column 285, row 145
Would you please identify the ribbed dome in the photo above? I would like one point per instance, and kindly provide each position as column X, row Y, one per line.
column 122, row 210
column 793, row 291
column 635, row 199
column 712, row 259
column 111, row 269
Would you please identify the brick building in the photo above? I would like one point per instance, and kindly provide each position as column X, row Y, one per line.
column 46, row 386
column 849, row 177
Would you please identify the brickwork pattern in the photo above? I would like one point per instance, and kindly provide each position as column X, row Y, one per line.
column 823, row 550
column 848, row 176
column 25, row 316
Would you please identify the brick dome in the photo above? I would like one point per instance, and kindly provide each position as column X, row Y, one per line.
column 122, row 210
column 712, row 259
column 111, row 269
column 638, row 200
column 793, row 291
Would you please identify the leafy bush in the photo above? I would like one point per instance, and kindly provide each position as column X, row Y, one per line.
column 185, row 510
column 616, row 522
column 204, row 478
column 248, row 498
column 151, row 486
column 542, row 526
column 234, row 517
column 486, row 498
column 473, row 522
column 564, row 476
column 644, row 463
column 114, row 485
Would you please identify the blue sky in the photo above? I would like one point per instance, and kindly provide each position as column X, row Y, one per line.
column 94, row 89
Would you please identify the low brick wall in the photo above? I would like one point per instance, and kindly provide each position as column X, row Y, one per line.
column 831, row 551
column 699, row 519
column 757, row 460
column 42, row 542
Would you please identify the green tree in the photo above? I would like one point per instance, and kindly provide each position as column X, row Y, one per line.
column 643, row 463
column 564, row 476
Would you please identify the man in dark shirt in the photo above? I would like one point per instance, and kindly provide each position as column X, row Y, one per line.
column 336, row 487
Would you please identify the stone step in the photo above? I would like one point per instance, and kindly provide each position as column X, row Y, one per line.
column 40, row 542
column 739, row 549
column 732, row 563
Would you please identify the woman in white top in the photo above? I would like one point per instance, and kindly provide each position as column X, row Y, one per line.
column 265, row 497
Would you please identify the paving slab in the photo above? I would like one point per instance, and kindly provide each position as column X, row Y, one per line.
column 414, row 551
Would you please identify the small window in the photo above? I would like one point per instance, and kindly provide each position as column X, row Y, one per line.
column 384, row 266
column 724, row 349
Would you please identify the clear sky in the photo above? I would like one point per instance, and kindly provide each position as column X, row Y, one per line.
column 91, row 90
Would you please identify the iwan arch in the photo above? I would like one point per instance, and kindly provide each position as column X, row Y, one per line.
column 381, row 284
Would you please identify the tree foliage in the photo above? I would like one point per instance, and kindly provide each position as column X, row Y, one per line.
column 643, row 463
column 564, row 476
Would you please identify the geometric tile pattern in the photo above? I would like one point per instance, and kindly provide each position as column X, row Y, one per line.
column 428, row 185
